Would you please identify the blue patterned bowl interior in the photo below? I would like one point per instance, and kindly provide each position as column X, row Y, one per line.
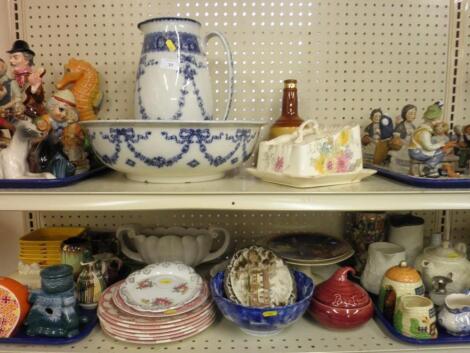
column 263, row 319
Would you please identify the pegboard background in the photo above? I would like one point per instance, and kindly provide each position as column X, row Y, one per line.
column 462, row 55
column 349, row 56
column 245, row 227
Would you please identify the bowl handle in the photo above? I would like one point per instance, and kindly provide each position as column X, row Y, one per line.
column 130, row 231
column 213, row 255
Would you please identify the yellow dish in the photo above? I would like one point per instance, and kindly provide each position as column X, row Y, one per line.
column 50, row 235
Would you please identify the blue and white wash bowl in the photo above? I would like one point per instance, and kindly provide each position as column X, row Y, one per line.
column 263, row 321
column 172, row 151
column 455, row 314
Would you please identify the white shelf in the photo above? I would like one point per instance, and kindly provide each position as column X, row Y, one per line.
column 223, row 336
column 113, row 192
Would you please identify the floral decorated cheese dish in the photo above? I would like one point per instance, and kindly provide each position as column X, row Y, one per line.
column 312, row 152
column 256, row 277
column 161, row 287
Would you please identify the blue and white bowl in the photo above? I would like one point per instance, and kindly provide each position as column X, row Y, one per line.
column 263, row 321
column 172, row 151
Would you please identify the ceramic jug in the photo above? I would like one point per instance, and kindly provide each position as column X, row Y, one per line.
column 455, row 314
column 381, row 256
column 408, row 231
column 173, row 81
column 415, row 317
column 190, row 246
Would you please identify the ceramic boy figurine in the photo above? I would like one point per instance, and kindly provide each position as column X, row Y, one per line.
column 406, row 126
column 379, row 132
column 426, row 156
column 28, row 78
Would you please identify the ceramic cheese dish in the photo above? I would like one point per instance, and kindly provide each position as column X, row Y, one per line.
column 311, row 151
column 13, row 306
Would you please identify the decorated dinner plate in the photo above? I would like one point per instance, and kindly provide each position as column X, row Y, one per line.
column 162, row 333
column 140, row 340
column 161, row 287
column 107, row 309
column 309, row 247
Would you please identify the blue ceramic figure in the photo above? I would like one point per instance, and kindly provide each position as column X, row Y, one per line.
column 54, row 312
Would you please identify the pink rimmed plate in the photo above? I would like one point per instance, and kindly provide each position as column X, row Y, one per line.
column 108, row 307
column 136, row 340
column 196, row 302
column 161, row 287
column 157, row 333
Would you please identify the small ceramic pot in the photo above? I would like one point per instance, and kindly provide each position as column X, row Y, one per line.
column 415, row 317
column 455, row 314
column 340, row 303
column 398, row 281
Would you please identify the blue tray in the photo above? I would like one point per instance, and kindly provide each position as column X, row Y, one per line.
column 442, row 338
column 85, row 330
column 443, row 183
column 49, row 183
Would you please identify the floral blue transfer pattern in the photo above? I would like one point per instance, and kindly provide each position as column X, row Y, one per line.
column 187, row 138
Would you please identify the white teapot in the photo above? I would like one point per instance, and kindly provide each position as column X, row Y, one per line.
column 190, row 246
column 446, row 261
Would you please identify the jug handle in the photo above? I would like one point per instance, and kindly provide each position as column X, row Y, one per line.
column 213, row 255
column 230, row 67
column 130, row 230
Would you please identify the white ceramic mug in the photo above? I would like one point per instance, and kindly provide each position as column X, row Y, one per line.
column 380, row 257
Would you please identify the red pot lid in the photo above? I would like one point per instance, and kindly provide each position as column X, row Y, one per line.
column 340, row 292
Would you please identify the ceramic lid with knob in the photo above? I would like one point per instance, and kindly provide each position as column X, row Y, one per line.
column 447, row 252
column 338, row 291
column 403, row 273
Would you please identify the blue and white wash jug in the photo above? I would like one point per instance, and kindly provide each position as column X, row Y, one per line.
column 173, row 81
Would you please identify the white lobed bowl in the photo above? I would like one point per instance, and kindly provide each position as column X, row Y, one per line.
column 172, row 151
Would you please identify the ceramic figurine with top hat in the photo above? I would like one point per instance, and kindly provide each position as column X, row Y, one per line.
column 28, row 78
column 11, row 98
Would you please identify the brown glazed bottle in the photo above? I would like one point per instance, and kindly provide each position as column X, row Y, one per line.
column 289, row 119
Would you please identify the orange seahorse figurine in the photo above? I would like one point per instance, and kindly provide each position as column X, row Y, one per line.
column 86, row 87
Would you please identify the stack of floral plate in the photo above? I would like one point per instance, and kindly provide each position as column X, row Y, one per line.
column 161, row 303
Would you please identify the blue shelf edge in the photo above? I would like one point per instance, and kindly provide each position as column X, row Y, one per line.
column 439, row 183
column 442, row 338
column 50, row 183
column 85, row 330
